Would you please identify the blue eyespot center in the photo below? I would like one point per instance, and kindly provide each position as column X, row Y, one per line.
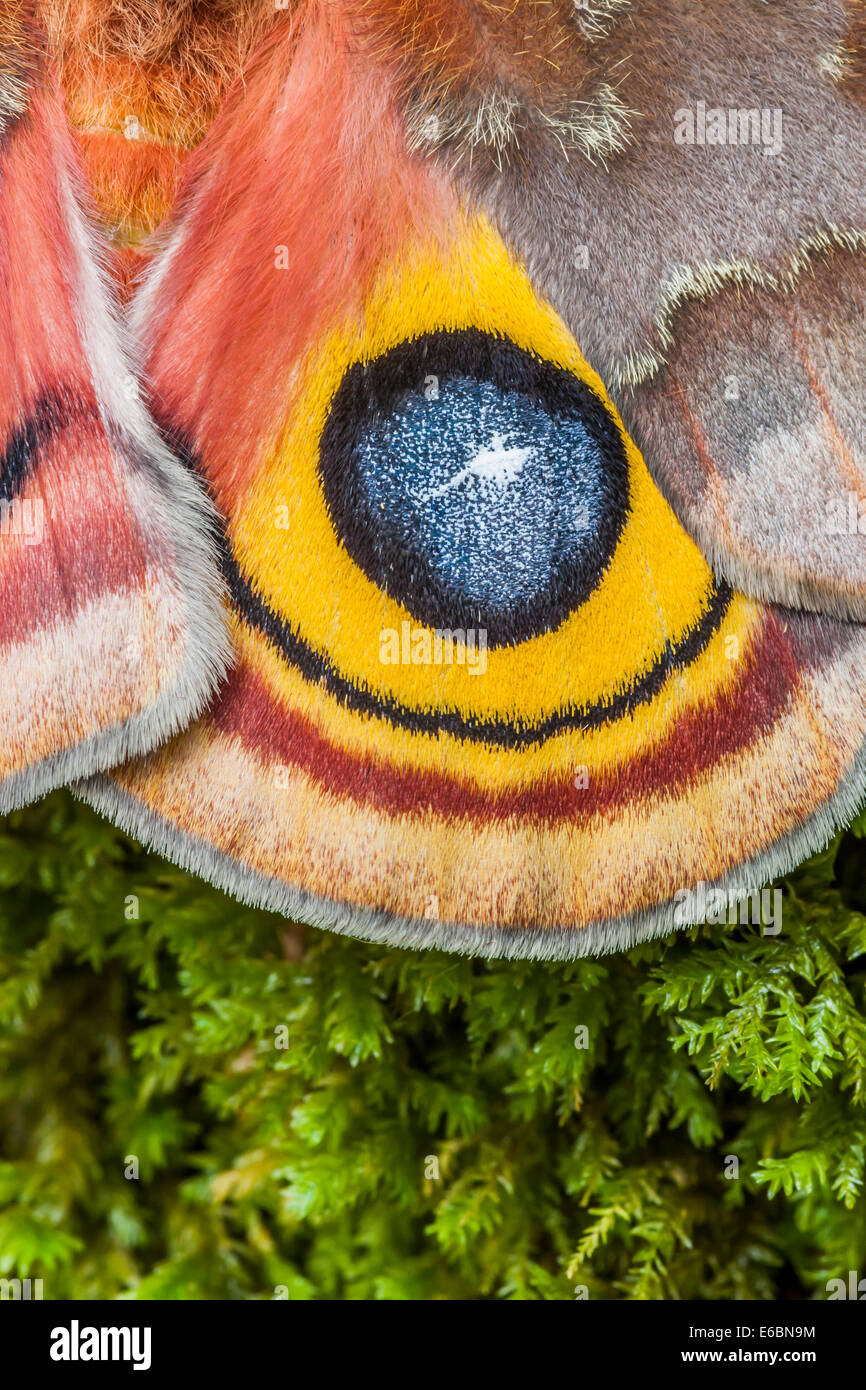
column 476, row 484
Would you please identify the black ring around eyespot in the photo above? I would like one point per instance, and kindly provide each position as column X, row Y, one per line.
column 371, row 391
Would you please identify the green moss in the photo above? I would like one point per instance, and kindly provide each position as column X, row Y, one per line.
column 151, row 1041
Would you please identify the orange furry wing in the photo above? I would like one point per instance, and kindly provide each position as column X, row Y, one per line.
column 111, row 634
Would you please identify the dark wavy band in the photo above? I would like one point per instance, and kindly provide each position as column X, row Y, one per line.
column 49, row 416
column 316, row 667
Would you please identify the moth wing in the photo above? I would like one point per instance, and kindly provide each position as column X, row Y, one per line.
column 690, row 195
column 635, row 731
column 112, row 635
column 756, row 427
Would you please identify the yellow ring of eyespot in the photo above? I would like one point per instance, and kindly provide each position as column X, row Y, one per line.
column 285, row 543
